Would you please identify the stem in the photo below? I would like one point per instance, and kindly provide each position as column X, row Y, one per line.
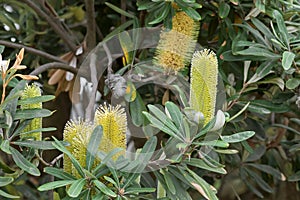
column 54, row 65
column 31, row 50
column 91, row 25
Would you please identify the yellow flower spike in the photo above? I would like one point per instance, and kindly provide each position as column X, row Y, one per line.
column 77, row 134
column 114, row 123
column 32, row 91
column 176, row 46
column 204, row 80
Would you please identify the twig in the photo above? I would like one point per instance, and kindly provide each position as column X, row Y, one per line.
column 31, row 50
column 54, row 65
column 123, row 7
column 55, row 24
column 91, row 25
column 56, row 159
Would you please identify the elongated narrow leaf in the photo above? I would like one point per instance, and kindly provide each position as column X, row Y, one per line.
column 163, row 118
column 158, row 124
column 32, row 113
column 9, row 196
column 23, row 163
column 146, row 153
column 269, row 170
column 119, row 10
column 76, row 187
column 36, row 99
column 57, row 144
column 203, row 165
column 238, row 137
column 104, row 189
column 175, row 113
column 281, row 27
column 59, row 173
column 169, row 182
column 136, row 110
column 55, row 184
column 295, row 177
column 93, row 146
column 44, row 145
column 132, row 190
column 5, row 146
column 5, row 181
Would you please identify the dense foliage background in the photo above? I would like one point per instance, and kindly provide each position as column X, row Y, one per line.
column 257, row 44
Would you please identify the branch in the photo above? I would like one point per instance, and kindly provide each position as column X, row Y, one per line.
column 31, row 50
column 54, row 65
column 56, row 25
column 91, row 25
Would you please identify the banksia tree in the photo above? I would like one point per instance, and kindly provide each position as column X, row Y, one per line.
column 176, row 46
column 29, row 92
column 114, row 123
column 203, row 86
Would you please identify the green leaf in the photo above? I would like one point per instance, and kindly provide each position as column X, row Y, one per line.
column 277, row 108
column 261, row 183
column 214, row 143
column 294, row 177
column 136, row 108
column 269, row 170
column 257, row 109
column 104, row 189
column 174, row 112
column 5, row 181
column 287, row 59
column 133, row 190
column 146, row 154
column 32, row 113
column 55, row 184
column 76, row 187
column 192, row 13
column 238, row 137
column 57, row 144
column 226, row 151
column 4, row 194
column 277, row 81
column 169, row 182
column 118, row 10
column 93, row 146
column 260, row 52
column 166, row 8
column 5, row 146
column 37, row 99
column 2, row 49
column 59, row 173
column 199, row 163
column 281, row 27
column 292, row 83
column 163, row 118
column 44, row 145
column 224, row 9
column 23, row 163
column 262, row 27
column 158, row 124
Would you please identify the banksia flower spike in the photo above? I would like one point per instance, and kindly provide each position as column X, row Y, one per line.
column 29, row 92
column 176, row 46
column 77, row 133
column 204, row 79
column 114, row 123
